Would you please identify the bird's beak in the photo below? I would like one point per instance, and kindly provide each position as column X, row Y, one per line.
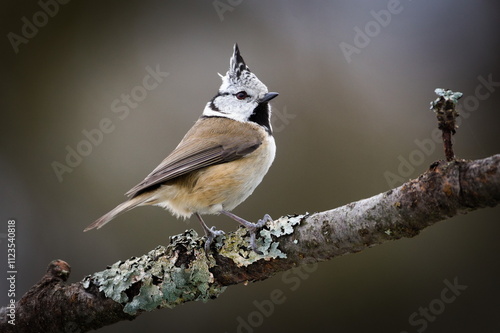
column 267, row 97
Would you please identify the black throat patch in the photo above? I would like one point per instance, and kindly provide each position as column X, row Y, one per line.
column 260, row 116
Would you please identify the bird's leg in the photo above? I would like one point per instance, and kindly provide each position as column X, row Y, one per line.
column 252, row 227
column 210, row 233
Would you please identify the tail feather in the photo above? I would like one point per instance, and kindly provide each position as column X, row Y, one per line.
column 121, row 208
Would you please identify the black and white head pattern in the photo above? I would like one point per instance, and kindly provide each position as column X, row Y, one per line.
column 240, row 94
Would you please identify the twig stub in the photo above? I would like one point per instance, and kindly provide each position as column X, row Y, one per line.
column 445, row 108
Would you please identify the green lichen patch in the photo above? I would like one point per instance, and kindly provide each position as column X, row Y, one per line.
column 237, row 245
column 165, row 277
column 169, row 276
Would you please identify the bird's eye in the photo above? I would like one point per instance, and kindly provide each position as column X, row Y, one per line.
column 241, row 95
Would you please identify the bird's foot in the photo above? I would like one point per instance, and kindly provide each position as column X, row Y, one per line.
column 252, row 228
column 211, row 234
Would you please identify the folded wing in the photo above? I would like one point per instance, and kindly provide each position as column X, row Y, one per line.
column 229, row 142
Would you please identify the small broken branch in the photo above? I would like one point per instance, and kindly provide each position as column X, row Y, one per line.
column 445, row 108
column 180, row 272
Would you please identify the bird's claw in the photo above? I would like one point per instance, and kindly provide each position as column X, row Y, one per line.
column 254, row 229
column 211, row 234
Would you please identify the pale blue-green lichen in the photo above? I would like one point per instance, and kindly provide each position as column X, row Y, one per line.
column 236, row 245
column 447, row 94
column 163, row 281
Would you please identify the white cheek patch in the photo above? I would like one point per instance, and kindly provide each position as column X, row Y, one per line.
column 229, row 107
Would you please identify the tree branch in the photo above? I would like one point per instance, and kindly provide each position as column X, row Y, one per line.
column 181, row 272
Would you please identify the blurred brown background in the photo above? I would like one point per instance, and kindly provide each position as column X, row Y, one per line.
column 343, row 122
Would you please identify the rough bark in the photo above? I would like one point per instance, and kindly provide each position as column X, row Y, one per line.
column 182, row 272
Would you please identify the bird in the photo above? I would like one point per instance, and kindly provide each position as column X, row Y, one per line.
column 220, row 160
